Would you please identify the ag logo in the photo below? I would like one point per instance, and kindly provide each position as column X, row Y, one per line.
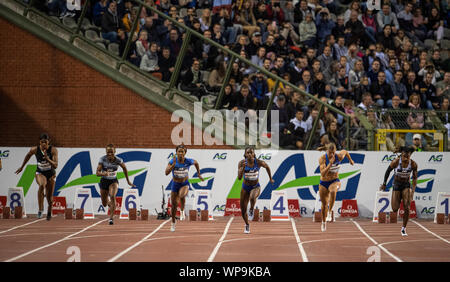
column 388, row 158
column 265, row 157
column 436, row 158
column 4, row 154
column 218, row 156
column 170, row 156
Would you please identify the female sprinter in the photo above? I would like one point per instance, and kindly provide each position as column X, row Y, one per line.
column 107, row 169
column 403, row 166
column 249, row 168
column 329, row 180
column 179, row 166
column 47, row 162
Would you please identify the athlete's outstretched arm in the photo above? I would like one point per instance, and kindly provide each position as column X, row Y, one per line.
column 241, row 168
column 323, row 167
column 170, row 167
column 54, row 161
column 264, row 165
column 125, row 171
column 390, row 168
column 197, row 167
column 345, row 153
column 32, row 151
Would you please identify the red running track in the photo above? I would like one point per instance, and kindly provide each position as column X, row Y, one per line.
column 222, row 240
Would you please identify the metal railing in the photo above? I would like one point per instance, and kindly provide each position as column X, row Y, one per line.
column 169, row 89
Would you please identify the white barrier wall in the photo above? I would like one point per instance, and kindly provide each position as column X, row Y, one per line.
column 295, row 171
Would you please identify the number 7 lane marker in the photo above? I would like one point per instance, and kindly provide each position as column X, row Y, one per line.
column 54, row 243
column 15, row 227
column 138, row 243
column 375, row 242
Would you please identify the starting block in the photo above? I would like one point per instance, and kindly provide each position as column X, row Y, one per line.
column 6, row 212
column 392, row 217
column 255, row 215
column 193, row 214
column 204, row 215
column 317, row 216
column 68, row 213
column 79, row 214
column 132, row 214
column 381, row 217
column 266, row 215
column 18, row 212
column 440, row 218
column 144, row 214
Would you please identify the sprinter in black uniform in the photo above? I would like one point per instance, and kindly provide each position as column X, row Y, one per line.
column 109, row 184
column 403, row 166
column 47, row 162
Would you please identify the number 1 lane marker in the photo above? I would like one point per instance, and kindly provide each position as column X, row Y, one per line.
column 375, row 242
column 54, row 243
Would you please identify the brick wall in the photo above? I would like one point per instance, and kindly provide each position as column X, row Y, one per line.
column 42, row 89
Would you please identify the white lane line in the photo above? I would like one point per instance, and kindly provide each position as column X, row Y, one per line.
column 34, row 221
column 137, row 243
column 216, row 249
column 299, row 243
column 432, row 233
column 54, row 243
column 375, row 242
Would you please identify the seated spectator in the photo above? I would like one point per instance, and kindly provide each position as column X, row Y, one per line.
column 359, row 90
column 381, row 91
column 129, row 18
column 259, row 89
column 356, row 29
column 311, row 119
column 99, row 9
column 348, row 109
column 295, row 130
column 307, row 31
column 174, row 42
column 399, row 88
column 366, row 101
column 192, row 81
column 321, row 142
column 142, row 44
column 334, row 135
column 370, row 24
column 386, row 123
column 228, row 98
column 435, row 25
column 324, row 25
column 132, row 55
column 149, row 62
column 216, row 77
column 247, row 19
column 443, row 86
column 387, row 17
column 427, row 91
column 111, row 23
column 205, row 19
column 166, row 63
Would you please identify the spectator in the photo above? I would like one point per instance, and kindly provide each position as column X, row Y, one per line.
column 325, row 59
column 321, row 142
column 355, row 75
column 360, row 89
column 300, row 11
column 417, row 143
column 428, row 91
column 192, row 81
column 111, row 23
column 229, row 31
column 129, row 18
column 206, row 19
column 206, row 52
column 297, row 127
column 366, row 101
column 217, row 76
column 334, row 135
column 247, row 19
column 372, row 74
column 100, row 8
column 354, row 6
column 387, row 17
column 228, row 98
column 356, row 29
column 386, row 123
column 370, row 24
column 399, row 88
column 340, row 48
column 319, row 87
column 435, row 25
column 348, row 109
column 310, row 122
column 142, row 44
column 306, row 80
column 132, row 55
column 259, row 89
column 255, row 44
column 324, row 25
column 149, row 62
column 166, row 63
column 258, row 59
column 244, row 101
column 307, row 31
column 381, row 91
column 443, row 86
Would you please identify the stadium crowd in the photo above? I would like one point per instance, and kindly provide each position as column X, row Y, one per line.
column 365, row 58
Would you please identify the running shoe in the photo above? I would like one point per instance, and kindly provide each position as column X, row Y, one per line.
column 39, row 215
column 403, row 231
column 250, row 214
column 182, row 216
column 323, row 227
column 247, row 229
column 172, row 228
column 329, row 217
column 111, row 221
column 49, row 215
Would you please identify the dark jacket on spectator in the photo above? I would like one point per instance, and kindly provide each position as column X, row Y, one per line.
column 111, row 22
column 384, row 90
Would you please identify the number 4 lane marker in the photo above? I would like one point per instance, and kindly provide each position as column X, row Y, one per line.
column 54, row 243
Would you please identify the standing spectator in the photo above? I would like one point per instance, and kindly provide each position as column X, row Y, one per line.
column 111, row 23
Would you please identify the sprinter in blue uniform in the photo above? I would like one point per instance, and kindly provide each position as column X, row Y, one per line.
column 179, row 166
column 403, row 167
column 329, row 179
column 109, row 184
column 249, row 169
column 47, row 162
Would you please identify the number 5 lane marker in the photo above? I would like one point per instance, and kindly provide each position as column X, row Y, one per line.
column 375, row 242
column 54, row 243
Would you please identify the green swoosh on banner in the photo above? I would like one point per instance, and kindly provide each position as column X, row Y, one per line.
column 197, row 180
column 418, row 182
column 94, row 179
column 235, row 192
